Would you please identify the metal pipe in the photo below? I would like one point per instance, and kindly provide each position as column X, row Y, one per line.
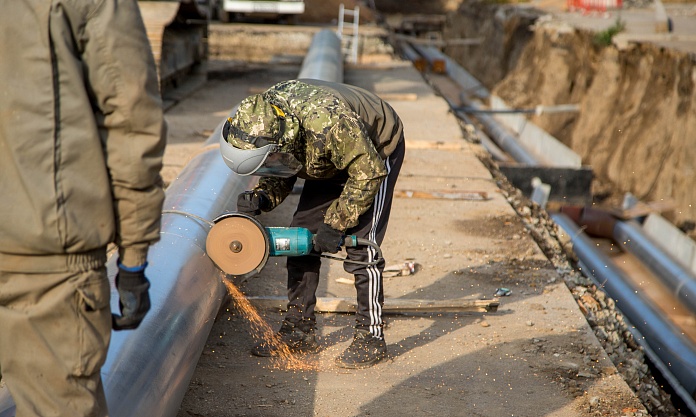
column 148, row 370
column 435, row 58
column 632, row 238
column 410, row 54
column 502, row 137
column 674, row 354
column 507, row 141
column 676, row 277
column 537, row 110
column 324, row 60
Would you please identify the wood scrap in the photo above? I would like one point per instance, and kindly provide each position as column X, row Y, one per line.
column 391, row 305
column 438, row 145
column 443, row 195
column 398, row 96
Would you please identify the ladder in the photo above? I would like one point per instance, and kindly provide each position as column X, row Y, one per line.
column 349, row 41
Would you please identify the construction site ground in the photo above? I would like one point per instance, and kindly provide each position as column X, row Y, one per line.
column 535, row 356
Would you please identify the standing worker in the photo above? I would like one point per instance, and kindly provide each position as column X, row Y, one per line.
column 81, row 141
column 348, row 146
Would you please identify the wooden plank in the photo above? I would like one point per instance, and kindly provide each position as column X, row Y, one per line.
column 442, row 195
column 391, row 305
column 437, row 145
column 398, row 96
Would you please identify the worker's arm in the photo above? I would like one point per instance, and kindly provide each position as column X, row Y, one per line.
column 351, row 149
column 123, row 82
column 276, row 189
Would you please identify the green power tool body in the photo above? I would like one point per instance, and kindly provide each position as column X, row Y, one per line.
column 240, row 246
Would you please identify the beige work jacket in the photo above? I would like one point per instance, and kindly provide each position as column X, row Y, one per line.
column 81, row 132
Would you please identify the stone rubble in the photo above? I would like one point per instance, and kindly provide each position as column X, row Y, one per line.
column 607, row 322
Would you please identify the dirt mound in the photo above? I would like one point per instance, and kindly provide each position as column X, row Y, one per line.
column 636, row 124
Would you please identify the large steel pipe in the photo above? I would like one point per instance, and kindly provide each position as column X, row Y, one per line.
column 148, row 369
column 676, row 277
column 324, row 60
column 674, row 354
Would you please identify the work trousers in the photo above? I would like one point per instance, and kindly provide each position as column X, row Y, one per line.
column 55, row 330
column 303, row 271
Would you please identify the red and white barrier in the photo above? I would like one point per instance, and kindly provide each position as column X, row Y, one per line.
column 587, row 6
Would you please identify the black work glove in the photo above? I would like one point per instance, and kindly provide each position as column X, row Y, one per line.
column 253, row 202
column 328, row 239
column 133, row 299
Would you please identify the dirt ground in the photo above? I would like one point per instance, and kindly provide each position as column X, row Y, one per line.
column 567, row 362
column 491, row 354
column 535, row 356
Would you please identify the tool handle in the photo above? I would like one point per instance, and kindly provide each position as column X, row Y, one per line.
column 352, row 241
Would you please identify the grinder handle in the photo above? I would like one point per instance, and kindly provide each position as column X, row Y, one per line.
column 352, row 241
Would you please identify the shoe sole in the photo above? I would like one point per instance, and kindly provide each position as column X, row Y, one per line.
column 360, row 365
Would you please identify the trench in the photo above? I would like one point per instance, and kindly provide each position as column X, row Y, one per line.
column 633, row 128
column 637, row 104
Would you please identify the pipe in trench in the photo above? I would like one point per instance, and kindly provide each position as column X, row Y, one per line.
column 631, row 237
column 676, row 277
column 670, row 351
column 507, row 141
column 500, row 135
column 148, row 370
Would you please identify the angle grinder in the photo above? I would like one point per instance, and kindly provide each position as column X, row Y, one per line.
column 240, row 246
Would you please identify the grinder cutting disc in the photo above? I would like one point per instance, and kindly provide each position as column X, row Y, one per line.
column 238, row 245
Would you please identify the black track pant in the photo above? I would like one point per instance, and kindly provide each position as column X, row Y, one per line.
column 303, row 271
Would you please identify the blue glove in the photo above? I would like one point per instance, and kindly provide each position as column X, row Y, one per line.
column 328, row 239
column 134, row 299
column 252, row 202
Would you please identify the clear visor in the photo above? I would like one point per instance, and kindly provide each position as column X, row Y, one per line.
column 266, row 161
column 279, row 164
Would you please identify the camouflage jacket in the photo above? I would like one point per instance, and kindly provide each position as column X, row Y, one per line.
column 335, row 130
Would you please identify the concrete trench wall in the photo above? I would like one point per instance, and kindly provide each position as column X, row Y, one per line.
column 637, row 122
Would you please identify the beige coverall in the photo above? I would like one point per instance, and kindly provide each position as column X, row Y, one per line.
column 81, row 141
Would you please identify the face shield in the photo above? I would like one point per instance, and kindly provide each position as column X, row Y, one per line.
column 266, row 160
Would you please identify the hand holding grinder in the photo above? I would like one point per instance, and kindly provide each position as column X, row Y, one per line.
column 240, row 246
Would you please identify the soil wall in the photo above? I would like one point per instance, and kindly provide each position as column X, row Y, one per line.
column 637, row 124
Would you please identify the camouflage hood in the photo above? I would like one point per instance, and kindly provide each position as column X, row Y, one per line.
column 256, row 118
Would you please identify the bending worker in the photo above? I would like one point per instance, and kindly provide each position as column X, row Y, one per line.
column 82, row 135
column 348, row 146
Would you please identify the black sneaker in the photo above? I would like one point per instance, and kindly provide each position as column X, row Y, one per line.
column 297, row 341
column 365, row 351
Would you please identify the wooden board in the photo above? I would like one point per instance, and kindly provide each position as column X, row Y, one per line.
column 442, row 195
column 437, row 145
column 391, row 305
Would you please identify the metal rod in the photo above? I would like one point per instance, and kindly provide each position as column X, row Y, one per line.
column 673, row 353
column 537, row 110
